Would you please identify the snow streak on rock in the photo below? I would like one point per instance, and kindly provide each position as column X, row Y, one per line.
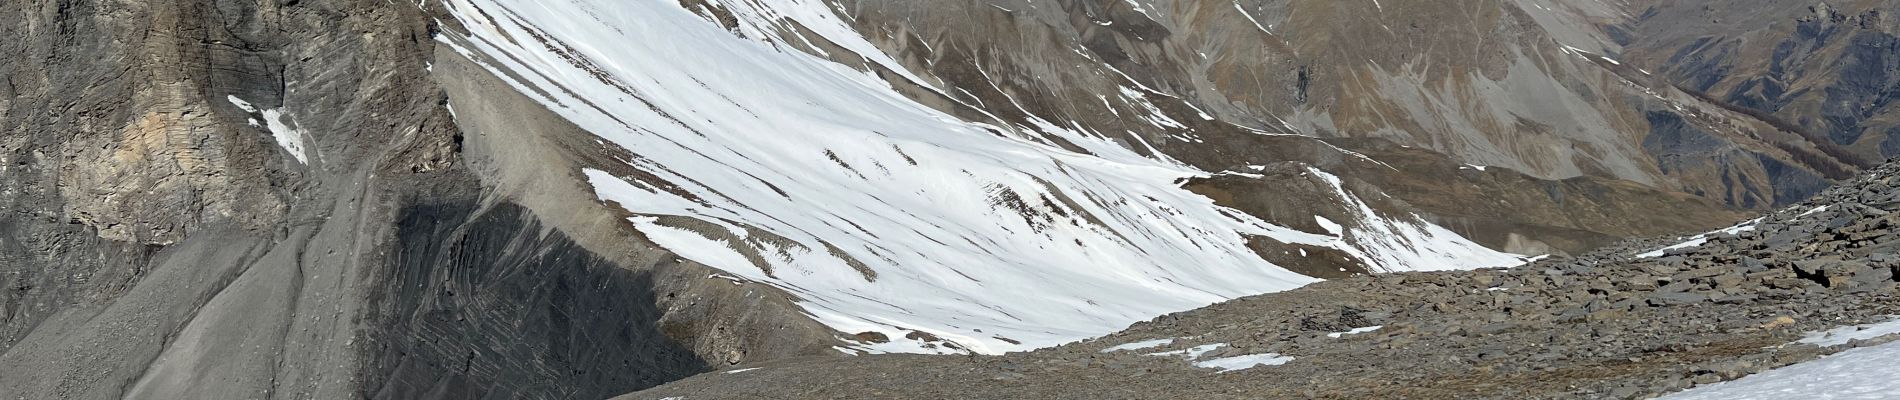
column 1848, row 334
column 1141, row 345
column 1699, row 240
column 286, row 134
column 1407, row 243
column 1236, row 363
column 880, row 214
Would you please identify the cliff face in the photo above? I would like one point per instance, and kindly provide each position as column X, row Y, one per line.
column 211, row 199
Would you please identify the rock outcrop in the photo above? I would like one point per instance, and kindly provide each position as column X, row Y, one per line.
column 213, row 199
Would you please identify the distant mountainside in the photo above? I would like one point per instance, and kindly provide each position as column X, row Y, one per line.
column 583, row 198
column 1825, row 72
column 1534, row 87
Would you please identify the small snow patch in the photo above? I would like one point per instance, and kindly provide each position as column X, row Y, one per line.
column 1842, row 335
column 1191, row 353
column 1145, row 344
column 1699, row 240
column 1236, row 363
column 1354, row 331
column 287, row 134
column 1330, row 226
column 740, row 370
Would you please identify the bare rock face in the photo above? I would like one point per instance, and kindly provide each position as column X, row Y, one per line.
column 319, row 199
column 209, row 199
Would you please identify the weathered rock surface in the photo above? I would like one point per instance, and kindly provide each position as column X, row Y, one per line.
column 157, row 240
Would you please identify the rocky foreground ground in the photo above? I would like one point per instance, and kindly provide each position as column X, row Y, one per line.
column 1617, row 323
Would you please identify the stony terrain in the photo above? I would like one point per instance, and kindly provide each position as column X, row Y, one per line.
column 431, row 233
column 1604, row 325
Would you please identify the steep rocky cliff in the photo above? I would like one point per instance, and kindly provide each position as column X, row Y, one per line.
column 221, row 199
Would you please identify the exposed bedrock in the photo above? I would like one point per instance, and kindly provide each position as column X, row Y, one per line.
column 216, row 199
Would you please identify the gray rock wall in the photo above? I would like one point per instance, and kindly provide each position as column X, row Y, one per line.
column 155, row 242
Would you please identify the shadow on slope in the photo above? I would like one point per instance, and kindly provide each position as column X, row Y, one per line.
column 502, row 307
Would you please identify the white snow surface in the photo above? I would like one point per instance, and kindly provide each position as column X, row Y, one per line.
column 1225, row 364
column 1699, row 240
column 1236, row 363
column 813, row 171
column 1845, row 334
column 1389, row 244
column 1354, row 331
column 1145, row 344
column 1864, row 373
column 1191, row 353
column 286, row 133
column 1331, row 227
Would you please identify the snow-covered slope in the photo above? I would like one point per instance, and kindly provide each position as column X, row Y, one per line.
column 878, row 213
column 1863, row 373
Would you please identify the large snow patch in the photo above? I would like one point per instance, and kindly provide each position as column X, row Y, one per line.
column 878, row 213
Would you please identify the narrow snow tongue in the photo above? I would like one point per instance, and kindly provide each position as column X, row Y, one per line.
column 910, row 229
column 287, row 134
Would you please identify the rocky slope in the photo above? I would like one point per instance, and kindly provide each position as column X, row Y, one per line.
column 209, row 199
column 1624, row 322
column 583, row 198
column 1534, row 86
column 1822, row 69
